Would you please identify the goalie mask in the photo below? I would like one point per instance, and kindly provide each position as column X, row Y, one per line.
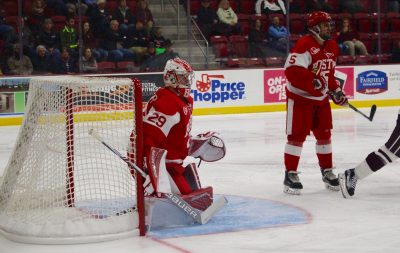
column 178, row 74
column 320, row 24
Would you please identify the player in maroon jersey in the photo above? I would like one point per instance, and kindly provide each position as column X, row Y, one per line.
column 167, row 123
column 388, row 153
column 309, row 70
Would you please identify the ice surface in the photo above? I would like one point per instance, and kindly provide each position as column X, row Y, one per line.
column 254, row 167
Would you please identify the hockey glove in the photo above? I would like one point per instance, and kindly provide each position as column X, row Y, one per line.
column 319, row 83
column 338, row 97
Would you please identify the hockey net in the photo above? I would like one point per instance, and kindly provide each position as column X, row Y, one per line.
column 63, row 186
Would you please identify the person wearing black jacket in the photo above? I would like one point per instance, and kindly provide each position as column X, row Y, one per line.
column 207, row 19
column 125, row 17
column 114, row 41
column 48, row 37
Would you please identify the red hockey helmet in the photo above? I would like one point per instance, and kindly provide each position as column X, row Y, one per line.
column 317, row 17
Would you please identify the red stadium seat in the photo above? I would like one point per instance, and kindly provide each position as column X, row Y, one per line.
column 363, row 59
column 391, row 15
column 106, row 66
column 59, row 19
column 194, row 7
column 383, row 58
column 363, row 22
column 125, row 66
column 386, row 46
column 132, row 6
column 239, row 45
column 254, row 62
column 111, row 5
column 243, row 17
column 245, row 27
column 235, row 62
column 395, row 24
column 233, row 5
column 297, row 26
column 219, row 45
column 10, row 7
column 345, row 60
column 247, row 6
column 275, row 61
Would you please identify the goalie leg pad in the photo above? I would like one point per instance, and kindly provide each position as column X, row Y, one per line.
column 200, row 199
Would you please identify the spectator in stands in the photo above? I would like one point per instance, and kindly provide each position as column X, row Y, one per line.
column 91, row 42
column 137, row 41
column 149, row 57
column 71, row 8
column 144, row 15
column 318, row 5
column 41, row 61
column 28, row 39
column 351, row 39
column 88, row 61
column 207, row 19
column 113, row 42
column 64, row 63
column 351, row 6
column 48, row 37
column 37, row 15
column 278, row 35
column 270, row 7
column 228, row 19
column 257, row 40
column 158, row 39
column 125, row 17
column 6, row 31
column 69, row 35
column 18, row 65
column 100, row 18
column 158, row 62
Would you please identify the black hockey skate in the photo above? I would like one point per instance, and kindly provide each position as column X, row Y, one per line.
column 292, row 183
column 330, row 180
column 348, row 181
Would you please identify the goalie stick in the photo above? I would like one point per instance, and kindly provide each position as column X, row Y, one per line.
column 195, row 214
column 371, row 114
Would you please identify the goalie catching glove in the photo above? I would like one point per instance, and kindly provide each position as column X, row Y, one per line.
column 338, row 97
column 208, row 147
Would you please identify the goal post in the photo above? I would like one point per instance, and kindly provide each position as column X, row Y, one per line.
column 60, row 185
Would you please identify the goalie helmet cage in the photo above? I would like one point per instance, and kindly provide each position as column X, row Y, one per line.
column 61, row 186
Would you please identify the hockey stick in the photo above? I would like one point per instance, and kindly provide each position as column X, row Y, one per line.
column 371, row 114
column 196, row 215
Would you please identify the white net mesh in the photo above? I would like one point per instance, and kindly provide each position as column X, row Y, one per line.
column 61, row 185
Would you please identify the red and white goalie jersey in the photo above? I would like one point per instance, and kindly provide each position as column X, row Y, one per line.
column 167, row 123
column 306, row 60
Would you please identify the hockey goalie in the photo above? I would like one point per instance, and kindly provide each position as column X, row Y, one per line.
column 167, row 140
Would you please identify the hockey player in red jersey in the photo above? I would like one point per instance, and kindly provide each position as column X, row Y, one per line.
column 309, row 70
column 167, row 124
column 388, row 153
